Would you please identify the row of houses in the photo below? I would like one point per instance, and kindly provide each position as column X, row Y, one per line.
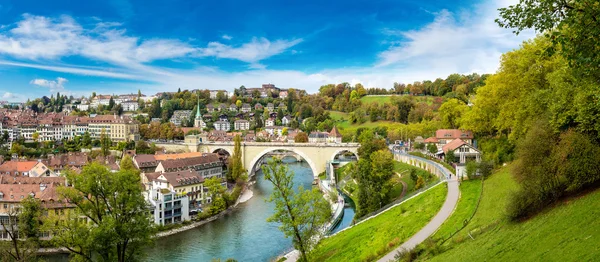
column 58, row 126
column 174, row 183
column 458, row 142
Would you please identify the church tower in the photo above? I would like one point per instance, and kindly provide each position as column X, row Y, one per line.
column 198, row 122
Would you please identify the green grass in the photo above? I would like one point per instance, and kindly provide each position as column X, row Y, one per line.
column 377, row 99
column 377, row 236
column 469, row 194
column 387, row 99
column 337, row 115
column 568, row 231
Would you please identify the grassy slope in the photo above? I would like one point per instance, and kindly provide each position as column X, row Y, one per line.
column 386, row 99
column 568, row 232
column 375, row 237
column 469, row 193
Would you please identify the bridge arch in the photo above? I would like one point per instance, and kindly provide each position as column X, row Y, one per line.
column 260, row 155
column 222, row 149
column 340, row 151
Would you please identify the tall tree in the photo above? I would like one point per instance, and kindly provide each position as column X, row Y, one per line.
column 22, row 227
column 572, row 26
column 301, row 214
column 116, row 225
column 237, row 172
column 105, row 143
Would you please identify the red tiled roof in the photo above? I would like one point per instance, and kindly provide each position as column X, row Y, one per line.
column 431, row 140
column 17, row 166
column 334, row 132
column 453, row 134
column 454, row 144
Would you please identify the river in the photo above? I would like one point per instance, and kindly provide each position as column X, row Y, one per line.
column 243, row 234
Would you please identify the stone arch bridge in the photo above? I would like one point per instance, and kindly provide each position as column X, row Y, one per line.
column 315, row 154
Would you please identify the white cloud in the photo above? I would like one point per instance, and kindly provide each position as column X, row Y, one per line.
column 451, row 43
column 463, row 43
column 9, row 95
column 227, row 37
column 38, row 37
column 57, row 85
column 252, row 52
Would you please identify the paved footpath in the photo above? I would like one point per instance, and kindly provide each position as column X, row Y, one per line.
column 434, row 224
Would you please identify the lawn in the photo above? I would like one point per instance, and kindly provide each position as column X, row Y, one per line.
column 386, row 99
column 469, row 194
column 378, row 99
column 377, row 236
column 569, row 231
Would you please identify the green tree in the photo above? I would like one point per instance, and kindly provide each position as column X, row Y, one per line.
column 22, row 225
column 572, row 26
column 35, row 136
column 238, row 103
column 216, row 191
column 116, row 225
column 237, row 172
column 432, row 148
column 127, row 163
column 105, row 143
column 451, row 111
column 301, row 214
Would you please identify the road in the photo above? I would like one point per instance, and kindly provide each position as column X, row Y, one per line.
column 433, row 225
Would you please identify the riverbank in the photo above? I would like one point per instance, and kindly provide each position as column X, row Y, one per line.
column 245, row 196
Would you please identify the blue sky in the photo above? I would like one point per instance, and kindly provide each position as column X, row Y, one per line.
column 114, row 47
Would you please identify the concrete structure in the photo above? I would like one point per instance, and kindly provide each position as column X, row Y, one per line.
column 213, row 93
column 315, row 154
column 180, row 116
column 241, row 125
column 222, row 125
column 130, row 105
column 167, row 207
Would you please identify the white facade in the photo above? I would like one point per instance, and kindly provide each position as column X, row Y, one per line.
column 167, row 206
column 269, row 122
column 241, row 125
column 130, row 106
column 83, row 107
column 213, row 93
column 222, row 126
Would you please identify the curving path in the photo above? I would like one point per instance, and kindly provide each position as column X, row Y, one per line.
column 435, row 223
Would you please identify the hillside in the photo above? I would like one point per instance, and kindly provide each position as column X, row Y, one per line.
column 568, row 231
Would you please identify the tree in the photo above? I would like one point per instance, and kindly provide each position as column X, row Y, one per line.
column 111, row 103
column 301, row 137
column 105, row 143
column 238, row 103
column 301, row 214
column 35, row 136
column 572, row 26
column 22, row 227
column 237, row 172
column 116, row 225
column 216, row 191
column 432, row 148
column 127, row 163
column 451, row 112
column 284, row 132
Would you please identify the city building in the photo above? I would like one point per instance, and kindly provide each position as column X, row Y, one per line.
column 214, row 93
column 210, row 108
column 198, row 121
column 130, row 105
column 270, row 122
column 207, row 165
column 26, row 168
column 274, row 130
column 464, row 152
column 241, row 125
column 286, row 120
column 233, row 107
column 222, row 125
column 270, row 107
column 334, row 136
column 318, row 137
column 180, row 116
column 258, row 106
column 246, row 108
column 283, row 94
column 167, row 207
